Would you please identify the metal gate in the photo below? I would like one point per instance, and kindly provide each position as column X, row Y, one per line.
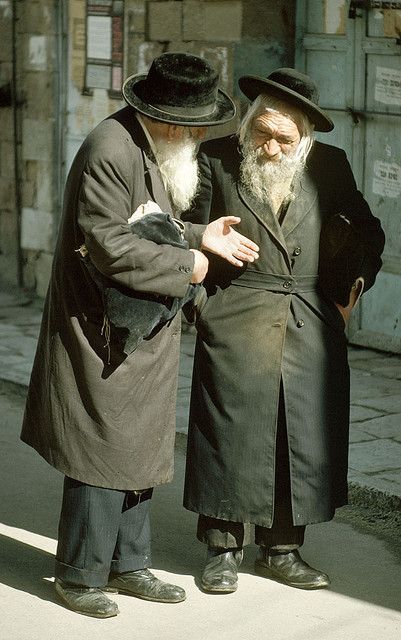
column 353, row 51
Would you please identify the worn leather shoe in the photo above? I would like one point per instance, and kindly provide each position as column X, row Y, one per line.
column 90, row 601
column 220, row 572
column 143, row 584
column 290, row 569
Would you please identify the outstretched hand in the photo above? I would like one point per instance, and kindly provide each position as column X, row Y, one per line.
column 220, row 238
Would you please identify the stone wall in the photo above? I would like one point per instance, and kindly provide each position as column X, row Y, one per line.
column 252, row 36
column 8, row 215
column 34, row 143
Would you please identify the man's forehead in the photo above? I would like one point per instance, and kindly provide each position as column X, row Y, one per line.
column 273, row 119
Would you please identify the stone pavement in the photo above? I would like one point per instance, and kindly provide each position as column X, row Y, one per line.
column 375, row 435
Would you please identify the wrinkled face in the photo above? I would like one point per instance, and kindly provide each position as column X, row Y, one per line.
column 273, row 135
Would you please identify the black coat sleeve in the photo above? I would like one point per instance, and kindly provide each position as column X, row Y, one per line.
column 341, row 197
column 353, row 206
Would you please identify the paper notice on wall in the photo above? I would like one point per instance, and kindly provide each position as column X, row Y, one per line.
column 99, row 37
column 386, row 179
column 335, row 16
column 388, row 86
column 392, row 23
column 37, row 53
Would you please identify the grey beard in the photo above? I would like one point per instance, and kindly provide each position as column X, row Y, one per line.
column 179, row 170
column 269, row 182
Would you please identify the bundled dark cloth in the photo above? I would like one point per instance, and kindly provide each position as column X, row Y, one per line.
column 342, row 255
column 132, row 315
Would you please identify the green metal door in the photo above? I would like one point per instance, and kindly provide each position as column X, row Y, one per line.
column 353, row 51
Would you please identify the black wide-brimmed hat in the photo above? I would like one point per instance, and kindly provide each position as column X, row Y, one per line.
column 180, row 89
column 293, row 87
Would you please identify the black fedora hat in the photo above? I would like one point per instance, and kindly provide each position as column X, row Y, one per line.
column 292, row 86
column 180, row 89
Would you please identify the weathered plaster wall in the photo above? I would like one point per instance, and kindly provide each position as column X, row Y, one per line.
column 36, row 68
column 8, row 215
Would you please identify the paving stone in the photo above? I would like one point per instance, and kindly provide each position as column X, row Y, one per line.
column 360, row 436
column 384, row 427
column 7, row 330
column 375, row 456
column 184, row 382
column 365, row 384
column 387, row 404
column 390, row 369
column 361, row 414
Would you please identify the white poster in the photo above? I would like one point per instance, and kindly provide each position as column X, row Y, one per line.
column 388, row 86
column 386, row 179
column 99, row 37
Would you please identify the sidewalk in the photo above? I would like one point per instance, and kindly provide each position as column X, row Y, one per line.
column 375, row 435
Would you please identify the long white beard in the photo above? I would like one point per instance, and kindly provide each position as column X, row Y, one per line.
column 268, row 181
column 179, row 169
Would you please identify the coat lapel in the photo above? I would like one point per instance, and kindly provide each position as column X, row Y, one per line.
column 154, row 182
column 305, row 194
column 265, row 216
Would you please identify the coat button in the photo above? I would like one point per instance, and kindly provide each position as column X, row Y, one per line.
column 300, row 323
column 296, row 251
column 287, row 284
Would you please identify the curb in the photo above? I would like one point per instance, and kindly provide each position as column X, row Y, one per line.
column 370, row 497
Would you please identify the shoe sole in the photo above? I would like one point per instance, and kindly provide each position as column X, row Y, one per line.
column 126, row 592
column 264, row 572
column 86, row 613
column 209, row 589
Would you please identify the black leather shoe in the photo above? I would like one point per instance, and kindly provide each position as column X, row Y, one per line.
column 90, row 601
column 220, row 572
column 143, row 584
column 290, row 569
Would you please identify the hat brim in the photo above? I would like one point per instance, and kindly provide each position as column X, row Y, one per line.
column 224, row 110
column 253, row 86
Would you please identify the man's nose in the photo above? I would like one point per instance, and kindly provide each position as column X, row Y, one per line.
column 271, row 148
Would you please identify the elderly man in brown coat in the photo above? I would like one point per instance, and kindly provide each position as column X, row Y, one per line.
column 103, row 418
column 268, row 433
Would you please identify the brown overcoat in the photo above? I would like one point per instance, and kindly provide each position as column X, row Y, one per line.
column 93, row 413
column 267, row 325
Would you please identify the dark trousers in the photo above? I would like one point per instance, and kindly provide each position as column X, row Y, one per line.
column 101, row 532
column 283, row 534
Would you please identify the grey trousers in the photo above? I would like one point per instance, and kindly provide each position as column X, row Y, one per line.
column 283, row 535
column 101, row 532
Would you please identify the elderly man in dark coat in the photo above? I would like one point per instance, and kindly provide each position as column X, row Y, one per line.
column 269, row 415
column 103, row 418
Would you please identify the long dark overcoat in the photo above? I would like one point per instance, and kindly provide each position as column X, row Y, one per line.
column 265, row 325
column 93, row 413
